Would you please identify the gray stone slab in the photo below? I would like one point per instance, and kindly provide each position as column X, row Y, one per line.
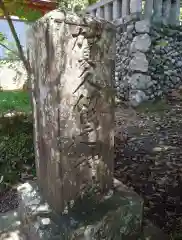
column 10, row 226
column 9, row 220
column 116, row 215
column 12, row 235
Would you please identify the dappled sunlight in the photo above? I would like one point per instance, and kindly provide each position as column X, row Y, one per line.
column 9, row 225
column 162, row 148
column 16, row 234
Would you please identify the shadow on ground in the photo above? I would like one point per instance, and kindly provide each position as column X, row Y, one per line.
column 151, row 164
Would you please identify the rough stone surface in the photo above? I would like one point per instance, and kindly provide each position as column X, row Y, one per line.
column 9, row 219
column 139, row 62
column 142, row 26
column 150, row 67
column 72, row 60
column 141, row 43
column 136, row 97
column 10, row 226
column 140, row 81
column 116, row 215
column 12, row 235
column 34, row 213
column 157, row 11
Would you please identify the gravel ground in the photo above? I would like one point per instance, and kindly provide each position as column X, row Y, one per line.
column 8, row 200
column 151, row 163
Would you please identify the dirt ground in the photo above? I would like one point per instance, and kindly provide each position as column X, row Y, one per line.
column 151, row 161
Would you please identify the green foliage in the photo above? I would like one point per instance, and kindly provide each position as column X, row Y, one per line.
column 2, row 37
column 180, row 14
column 23, row 12
column 14, row 101
column 16, row 148
column 21, row 9
column 75, row 5
column 16, row 139
column 11, row 54
column 162, row 43
column 159, row 106
column 30, row 14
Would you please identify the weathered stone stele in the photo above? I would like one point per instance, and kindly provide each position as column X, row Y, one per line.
column 72, row 61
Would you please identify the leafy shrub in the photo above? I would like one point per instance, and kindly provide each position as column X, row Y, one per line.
column 16, row 149
column 17, row 101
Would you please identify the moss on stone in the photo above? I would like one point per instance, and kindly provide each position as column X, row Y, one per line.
column 118, row 217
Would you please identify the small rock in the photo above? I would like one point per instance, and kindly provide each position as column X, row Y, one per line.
column 140, row 81
column 141, row 43
column 142, row 26
column 139, row 62
column 136, row 97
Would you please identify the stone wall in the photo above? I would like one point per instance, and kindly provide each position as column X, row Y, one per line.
column 158, row 11
column 148, row 60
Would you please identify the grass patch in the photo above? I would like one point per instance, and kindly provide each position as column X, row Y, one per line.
column 14, row 101
column 159, row 106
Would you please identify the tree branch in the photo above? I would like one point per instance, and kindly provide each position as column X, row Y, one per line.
column 17, row 41
column 4, row 46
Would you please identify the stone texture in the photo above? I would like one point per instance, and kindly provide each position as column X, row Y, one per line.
column 141, row 43
column 148, row 11
column 166, row 6
column 12, row 235
column 72, row 60
column 142, row 26
column 136, row 97
column 139, row 62
column 152, row 72
column 174, row 15
column 116, row 215
column 157, row 11
column 157, row 14
column 8, row 220
column 10, row 226
column 135, row 6
column 140, row 81
column 35, row 214
column 116, row 9
column 125, row 8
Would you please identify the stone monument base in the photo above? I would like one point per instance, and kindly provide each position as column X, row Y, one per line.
column 116, row 216
column 113, row 216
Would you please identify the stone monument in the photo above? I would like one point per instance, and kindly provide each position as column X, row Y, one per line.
column 72, row 60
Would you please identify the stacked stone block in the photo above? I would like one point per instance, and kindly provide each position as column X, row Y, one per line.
column 148, row 60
